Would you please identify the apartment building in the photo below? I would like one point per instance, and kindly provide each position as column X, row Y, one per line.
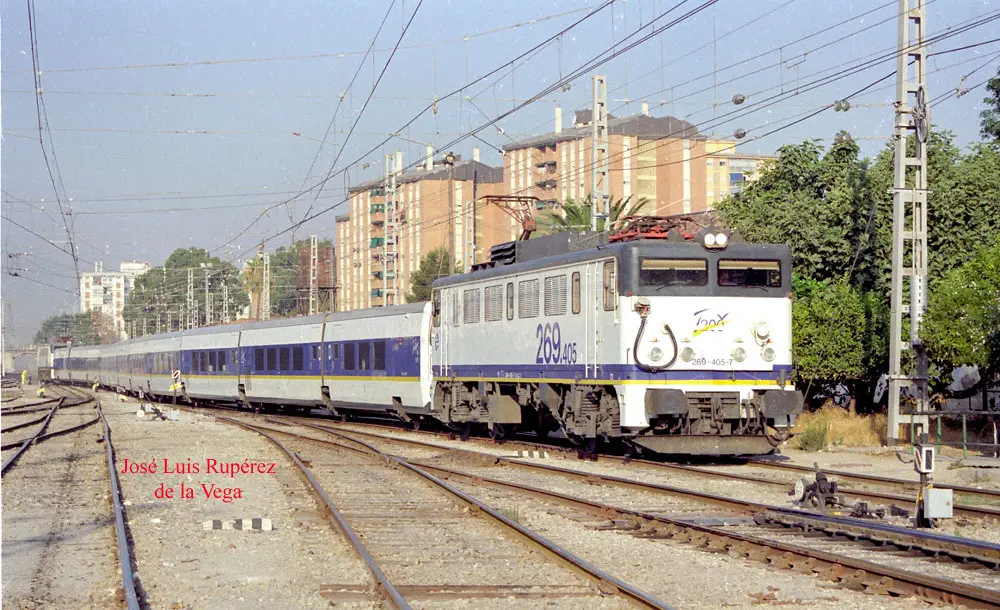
column 371, row 260
column 663, row 159
column 107, row 291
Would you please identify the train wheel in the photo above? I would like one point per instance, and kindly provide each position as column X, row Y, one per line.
column 588, row 449
column 464, row 431
column 497, row 432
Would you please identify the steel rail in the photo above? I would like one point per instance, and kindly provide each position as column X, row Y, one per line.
column 871, row 478
column 604, row 580
column 49, row 435
column 929, row 541
column 966, row 510
column 386, row 587
column 124, row 553
column 13, row 459
column 37, row 403
column 24, row 425
column 890, row 580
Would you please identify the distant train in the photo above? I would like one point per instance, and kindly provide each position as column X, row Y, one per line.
column 679, row 344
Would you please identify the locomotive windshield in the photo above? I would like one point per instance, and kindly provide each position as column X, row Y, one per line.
column 660, row 272
column 765, row 274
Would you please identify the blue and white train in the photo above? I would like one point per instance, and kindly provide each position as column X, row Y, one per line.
column 680, row 345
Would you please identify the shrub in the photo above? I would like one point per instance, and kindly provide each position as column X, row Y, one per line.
column 814, row 437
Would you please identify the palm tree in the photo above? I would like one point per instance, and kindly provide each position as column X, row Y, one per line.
column 574, row 215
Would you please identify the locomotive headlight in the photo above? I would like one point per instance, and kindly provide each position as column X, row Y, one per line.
column 762, row 330
column 656, row 354
column 768, row 354
column 721, row 240
column 709, row 240
column 687, row 354
column 739, row 354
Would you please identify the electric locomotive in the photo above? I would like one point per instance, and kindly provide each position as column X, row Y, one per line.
column 674, row 340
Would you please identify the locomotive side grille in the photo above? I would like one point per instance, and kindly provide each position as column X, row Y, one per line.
column 555, row 295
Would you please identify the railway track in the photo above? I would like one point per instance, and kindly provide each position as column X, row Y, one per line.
column 73, row 399
column 54, row 520
column 395, row 508
column 125, row 559
column 961, row 509
column 781, row 537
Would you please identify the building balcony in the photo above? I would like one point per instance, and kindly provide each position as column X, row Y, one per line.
column 377, row 242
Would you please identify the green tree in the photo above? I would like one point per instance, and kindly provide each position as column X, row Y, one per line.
column 574, row 215
column 432, row 266
column 816, row 202
column 962, row 324
column 989, row 126
column 288, row 267
column 87, row 328
column 162, row 291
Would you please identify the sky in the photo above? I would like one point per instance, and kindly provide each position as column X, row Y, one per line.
column 178, row 123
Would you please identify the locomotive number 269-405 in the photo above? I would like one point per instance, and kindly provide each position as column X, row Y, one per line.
column 551, row 349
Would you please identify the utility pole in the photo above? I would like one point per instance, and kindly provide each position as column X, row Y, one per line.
column 449, row 160
column 225, row 303
column 313, row 273
column 599, row 194
column 909, row 217
column 265, row 292
column 190, row 299
column 158, row 328
column 390, row 247
column 170, row 322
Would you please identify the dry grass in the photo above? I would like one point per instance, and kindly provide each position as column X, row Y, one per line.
column 842, row 429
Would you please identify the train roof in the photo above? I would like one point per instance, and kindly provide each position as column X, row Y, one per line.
column 569, row 249
column 358, row 314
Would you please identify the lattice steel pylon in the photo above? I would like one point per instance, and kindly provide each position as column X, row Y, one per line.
column 313, row 273
column 599, row 192
column 190, row 299
column 909, row 218
column 265, row 290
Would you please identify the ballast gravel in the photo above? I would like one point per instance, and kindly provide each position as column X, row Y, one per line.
column 304, row 562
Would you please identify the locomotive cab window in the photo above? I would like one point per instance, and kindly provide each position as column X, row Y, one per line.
column 610, row 298
column 758, row 274
column 575, row 291
column 663, row 272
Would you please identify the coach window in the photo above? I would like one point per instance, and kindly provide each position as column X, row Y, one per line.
column 272, row 358
column 297, row 364
column 527, row 299
column 336, row 351
column 258, row 359
column 756, row 274
column 364, row 356
column 470, row 303
column 436, row 308
column 283, row 361
column 196, row 362
column 378, row 355
column 213, row 362
column 314, row 352
column 510, row 300
column 575, row 291
column 349, row 357
column 609, row 286
column 222, row 361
